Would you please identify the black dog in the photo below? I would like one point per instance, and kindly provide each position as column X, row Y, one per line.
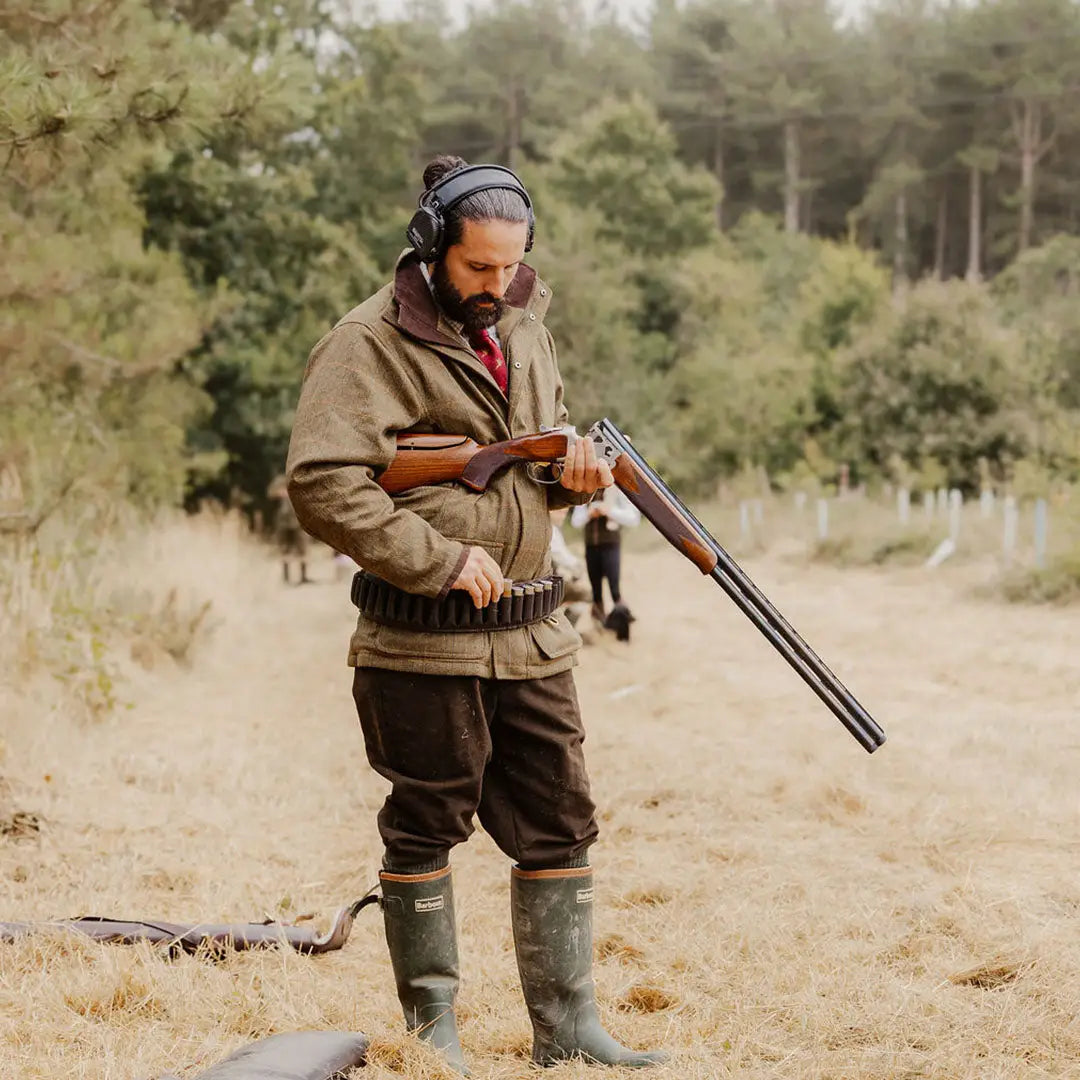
column 619, row 619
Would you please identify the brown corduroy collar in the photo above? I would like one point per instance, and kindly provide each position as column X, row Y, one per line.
column 419, row 315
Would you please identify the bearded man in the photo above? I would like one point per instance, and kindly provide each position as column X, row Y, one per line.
column 462, row 724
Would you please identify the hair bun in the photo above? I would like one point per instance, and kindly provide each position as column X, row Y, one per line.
column 441, row 166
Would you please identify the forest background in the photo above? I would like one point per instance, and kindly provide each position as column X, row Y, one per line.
column 781, row 240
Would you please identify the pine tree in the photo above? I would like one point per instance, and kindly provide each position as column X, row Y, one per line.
column 1035, row 68
column 91, row 322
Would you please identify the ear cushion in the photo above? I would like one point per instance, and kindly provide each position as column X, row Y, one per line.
column 425, row 233
column 426, row 230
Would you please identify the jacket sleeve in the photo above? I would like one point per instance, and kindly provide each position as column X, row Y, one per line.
column 558, row 496
column 622, row 511
column 579, row 516
column 354, row 400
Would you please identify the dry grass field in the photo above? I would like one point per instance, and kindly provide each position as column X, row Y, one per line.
column 771, row 901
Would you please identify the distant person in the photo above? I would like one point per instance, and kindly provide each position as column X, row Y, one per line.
column 570, row 568
column 603, row 520
column 291, row 539
column 344, row 567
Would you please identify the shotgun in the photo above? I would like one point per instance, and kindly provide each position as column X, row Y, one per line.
column 435, row 459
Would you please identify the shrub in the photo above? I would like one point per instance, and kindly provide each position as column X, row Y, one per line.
column 939, row 381
column 1056, row 583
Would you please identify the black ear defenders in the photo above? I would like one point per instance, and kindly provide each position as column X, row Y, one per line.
column 427, row 230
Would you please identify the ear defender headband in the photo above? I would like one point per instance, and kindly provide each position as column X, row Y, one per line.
column 427, row 230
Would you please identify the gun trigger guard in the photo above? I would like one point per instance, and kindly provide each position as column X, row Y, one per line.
column 534, row 473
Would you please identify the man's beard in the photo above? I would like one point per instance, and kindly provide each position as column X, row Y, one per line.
column 466, row 310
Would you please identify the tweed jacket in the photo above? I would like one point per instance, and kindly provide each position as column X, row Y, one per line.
column 392, row 365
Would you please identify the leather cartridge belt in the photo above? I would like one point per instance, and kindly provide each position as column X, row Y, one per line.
column 522, row 602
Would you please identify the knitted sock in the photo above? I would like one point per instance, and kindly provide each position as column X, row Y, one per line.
column 571, row 862
column 438, row 862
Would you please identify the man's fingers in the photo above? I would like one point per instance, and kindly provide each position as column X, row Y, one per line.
column 588, row 467
column 599, row 469
column 567, row 478
column 577, row 474
column 590, row 454
column 494, row 575
column 593, row 466
column 478, row 586
column 480, row 577
column 583, row 470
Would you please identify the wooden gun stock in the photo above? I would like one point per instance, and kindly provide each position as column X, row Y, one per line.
column 437, row 459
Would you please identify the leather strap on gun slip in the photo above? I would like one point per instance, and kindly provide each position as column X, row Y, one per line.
column 522, row 603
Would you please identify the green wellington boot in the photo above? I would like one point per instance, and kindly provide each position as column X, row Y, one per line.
column 551, row 912
column 418, row 912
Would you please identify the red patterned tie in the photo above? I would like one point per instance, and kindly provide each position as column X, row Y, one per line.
column 487, row 348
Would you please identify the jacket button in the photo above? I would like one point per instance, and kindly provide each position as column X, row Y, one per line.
column 543, row 292
column 517, row 363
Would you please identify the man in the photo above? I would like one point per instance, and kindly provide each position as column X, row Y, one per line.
column 483, row 722
column 290, row 538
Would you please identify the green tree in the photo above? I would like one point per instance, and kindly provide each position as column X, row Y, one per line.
column 1033, row 76
column 92, row 323
column 694, row 48
column 620, row 161
column 900, row 67
column 1037, row 296
column 788, row 61
column 373, row 95
column 940, row 381
column 280, row 276
column 288, row 228
column 495, row 80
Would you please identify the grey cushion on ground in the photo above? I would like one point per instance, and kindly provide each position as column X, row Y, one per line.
column 301, row 1055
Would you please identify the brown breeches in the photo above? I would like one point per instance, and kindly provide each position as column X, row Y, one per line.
column 508, row 751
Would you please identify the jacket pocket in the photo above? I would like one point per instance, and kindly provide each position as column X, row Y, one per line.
column 555, row 637
column 393, row 642
column 456, row 512
column 492, row 547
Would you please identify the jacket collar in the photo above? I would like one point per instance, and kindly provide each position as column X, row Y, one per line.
column 417, row 312
column 419, row 316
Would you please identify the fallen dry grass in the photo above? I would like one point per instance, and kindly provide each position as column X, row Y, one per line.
column 86, row 598
column 772, row 902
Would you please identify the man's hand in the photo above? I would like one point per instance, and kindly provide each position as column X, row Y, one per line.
column 582, row 471
column 480, row 577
